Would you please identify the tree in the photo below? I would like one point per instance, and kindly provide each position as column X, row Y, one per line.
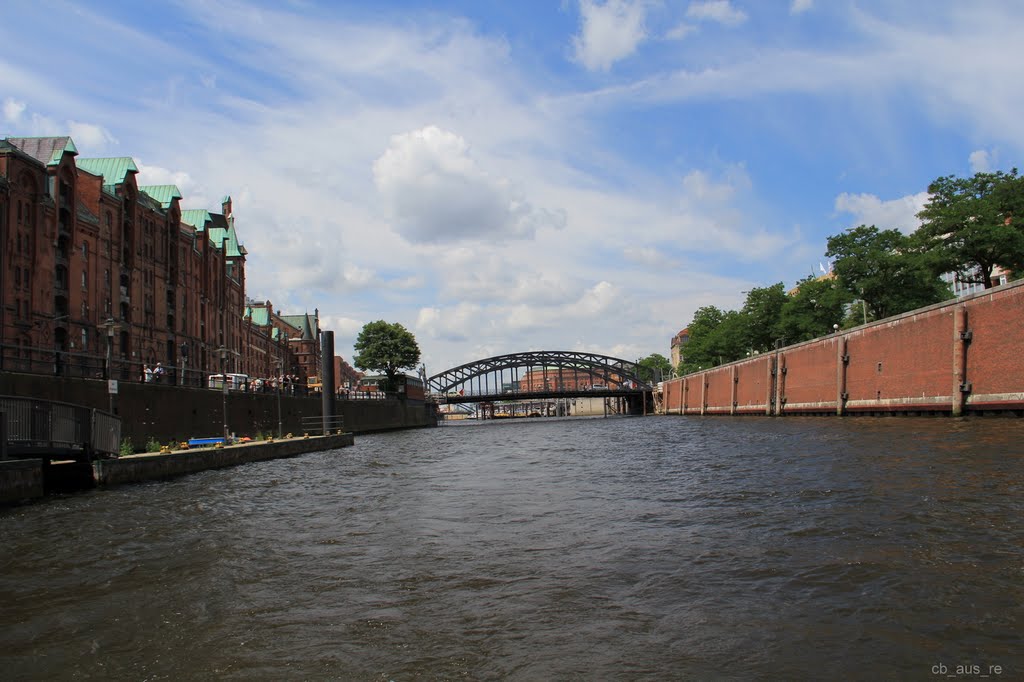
column 762, row 312
column 813, row 309
column 882, row 268
column 716, row 337
column 654, row 368
column 386, row 347
column 971, row 225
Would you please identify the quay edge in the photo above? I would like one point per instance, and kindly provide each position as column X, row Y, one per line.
column 151, row 466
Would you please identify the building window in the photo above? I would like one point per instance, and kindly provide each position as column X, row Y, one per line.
column 17, row 278
column 85, row 339
column 85, row 251
column 85, row 281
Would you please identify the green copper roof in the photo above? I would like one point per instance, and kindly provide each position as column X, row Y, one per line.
column 197, row 218
column 114, row 170
column 301, row 322
column 260, row 316
column 219, row 235
column 165, row 194
column 49, row 150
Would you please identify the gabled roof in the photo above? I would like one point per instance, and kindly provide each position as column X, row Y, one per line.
column 197, row 218
column 48, row 150
column 304, row 323
column 260, row 315
column 114, row 170
column 165, row 194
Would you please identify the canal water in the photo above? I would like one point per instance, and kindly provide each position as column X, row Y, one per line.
column 582, row 549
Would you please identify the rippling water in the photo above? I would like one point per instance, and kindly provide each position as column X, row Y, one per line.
column 589, row 549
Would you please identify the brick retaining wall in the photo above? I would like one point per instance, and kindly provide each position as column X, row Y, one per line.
column 962, row 356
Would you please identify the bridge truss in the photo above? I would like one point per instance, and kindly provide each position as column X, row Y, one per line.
column 546, row 373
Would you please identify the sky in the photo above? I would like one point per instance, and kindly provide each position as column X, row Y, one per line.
column 501, row 177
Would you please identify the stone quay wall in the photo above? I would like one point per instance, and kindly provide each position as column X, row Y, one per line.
column 176, row 413
column 20, row 480
column 959, row 357
column 135, row 468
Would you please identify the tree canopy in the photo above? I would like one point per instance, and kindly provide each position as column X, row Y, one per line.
column 883, row 269
column 654, row 368
column 386, row 347
column 972, row 225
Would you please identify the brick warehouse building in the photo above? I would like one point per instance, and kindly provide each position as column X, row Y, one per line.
column 100, row 276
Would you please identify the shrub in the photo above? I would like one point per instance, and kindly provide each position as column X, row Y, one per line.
column 127, row 447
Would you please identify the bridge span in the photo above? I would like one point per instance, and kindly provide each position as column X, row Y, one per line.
column 542, row 375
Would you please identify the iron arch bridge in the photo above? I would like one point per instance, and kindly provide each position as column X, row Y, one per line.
column 538, row 375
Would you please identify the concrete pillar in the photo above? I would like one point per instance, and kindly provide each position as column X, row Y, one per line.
column 780, row 384
column 327, row 380
column 842, row 362
column 732, row 391
column 961, row 337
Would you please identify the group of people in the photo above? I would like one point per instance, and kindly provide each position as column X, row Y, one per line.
column 287, row 382
column 151, row 374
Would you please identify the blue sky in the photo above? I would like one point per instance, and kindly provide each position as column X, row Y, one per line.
column 502, row 177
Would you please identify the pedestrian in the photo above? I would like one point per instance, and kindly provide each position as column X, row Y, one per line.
column 147, row 374
column 158, row 373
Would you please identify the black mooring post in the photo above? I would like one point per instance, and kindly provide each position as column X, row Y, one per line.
column 327, row 378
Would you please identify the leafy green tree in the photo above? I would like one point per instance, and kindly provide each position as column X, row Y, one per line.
column 882, row 268
column 654, row 368
column 716, row 337
column 696, row 352
column 386, row 347
column 761, row 315
column 813, row 309
column 971, row 225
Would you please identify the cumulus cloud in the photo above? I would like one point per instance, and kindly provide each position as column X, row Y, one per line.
column 800, row 6
column 649, row 257
column 982, row 161
column 680, row 31
column 720, row 11
column 608, row 32
column 13, row 109
column 90, row 135
column 437, row 193
column 868, row 209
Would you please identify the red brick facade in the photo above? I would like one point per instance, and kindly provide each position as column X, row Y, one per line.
column 94, row 265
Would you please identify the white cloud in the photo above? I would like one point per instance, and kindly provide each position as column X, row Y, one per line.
column 868, row 209
column 649, row 257
column 13, row 110
column 436, row 192
column 720, row 11
column 982, row 161
column 608, row 32
column 800, row 6
column 90, row 135
column 680, row 31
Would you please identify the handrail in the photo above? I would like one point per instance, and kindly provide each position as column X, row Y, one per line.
column 50, row 429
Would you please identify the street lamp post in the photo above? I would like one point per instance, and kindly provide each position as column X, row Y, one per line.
column 224, row 388
column 280, row 370
column 111, row 327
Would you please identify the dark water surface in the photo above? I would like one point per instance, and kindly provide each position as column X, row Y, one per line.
column 587, row 549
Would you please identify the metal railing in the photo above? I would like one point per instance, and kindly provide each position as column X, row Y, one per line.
column 315, row 426
column 53, row 430
column 80, row 365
